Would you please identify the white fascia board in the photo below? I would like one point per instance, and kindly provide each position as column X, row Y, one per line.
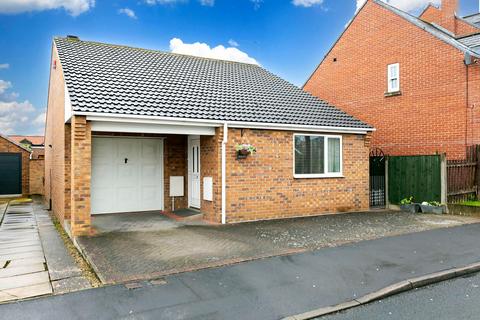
column 132, row 127
column 271, row 126
column 92, row 116
column 147, row 120
column 67, row 106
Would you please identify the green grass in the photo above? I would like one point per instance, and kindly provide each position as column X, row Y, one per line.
column 471, row 203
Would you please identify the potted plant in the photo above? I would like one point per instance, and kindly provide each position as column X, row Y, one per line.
column 243, row 150
column 407, row 205
column 433, row 207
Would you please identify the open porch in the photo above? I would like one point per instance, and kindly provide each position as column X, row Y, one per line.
column 123, row 167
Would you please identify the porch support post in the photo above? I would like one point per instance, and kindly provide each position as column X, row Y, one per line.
column 81, row 141
column 224, row 173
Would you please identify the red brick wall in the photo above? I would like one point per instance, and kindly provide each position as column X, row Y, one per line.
column 80, row 176
column 56, row 141
column 67, row 182
column 430, row 115
column 259, row 187
column 445, row 17
column 210, row 166
column 175, row 164
column 262, row 186
column 7, row 146
column 37, row 176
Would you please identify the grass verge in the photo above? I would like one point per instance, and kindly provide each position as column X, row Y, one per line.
column 471, row 203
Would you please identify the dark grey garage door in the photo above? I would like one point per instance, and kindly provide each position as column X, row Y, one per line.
column 10, row 173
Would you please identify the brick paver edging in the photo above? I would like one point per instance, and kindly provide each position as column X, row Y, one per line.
column 160, row 274
column 390, row 290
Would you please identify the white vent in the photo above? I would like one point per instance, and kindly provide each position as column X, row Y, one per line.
column 208, row 188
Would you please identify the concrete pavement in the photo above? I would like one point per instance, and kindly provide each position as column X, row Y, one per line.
column 33, row 257
column 270, row 288
column 453, row 299
column 23, row 272
column 65, row 275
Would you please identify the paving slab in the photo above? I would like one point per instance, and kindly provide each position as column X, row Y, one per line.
column 18, row 244
column 24, row 280
column 21, row 249
column 22, row 255
column 26, row 292
column 64, row 273
column 70, row 284
column 22, row 273
column 25, row 262
column 20, row 270
column 60, row 263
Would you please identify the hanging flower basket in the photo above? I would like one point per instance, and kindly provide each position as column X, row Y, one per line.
column 244, row 150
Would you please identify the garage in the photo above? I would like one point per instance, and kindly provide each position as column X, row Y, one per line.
column 127, row 174
column 14, row 167
column 11, row 173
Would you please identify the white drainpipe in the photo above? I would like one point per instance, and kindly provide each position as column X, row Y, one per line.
column 224, row 173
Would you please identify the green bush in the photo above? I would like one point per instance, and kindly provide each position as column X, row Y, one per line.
column 405, row 201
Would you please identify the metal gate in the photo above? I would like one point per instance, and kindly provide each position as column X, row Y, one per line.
column 377, row 179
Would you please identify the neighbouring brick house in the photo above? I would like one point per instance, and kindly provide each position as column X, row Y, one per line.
column 129, row 128
column 14, row 168
column 36, row 163
column 34, row 143
column 415, row 79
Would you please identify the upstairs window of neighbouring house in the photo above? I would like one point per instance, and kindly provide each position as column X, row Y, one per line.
column 317, row 156
column 394, row 77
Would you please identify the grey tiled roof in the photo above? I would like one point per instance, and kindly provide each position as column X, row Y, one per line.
column 474, row 19
column 472, row 41
column 105, row 78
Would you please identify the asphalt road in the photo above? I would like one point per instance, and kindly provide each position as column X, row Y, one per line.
column 270, row 288
column 457, row 299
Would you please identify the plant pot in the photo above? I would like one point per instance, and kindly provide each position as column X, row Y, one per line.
column 432, row 209
column 242, row 154
column 412, row 208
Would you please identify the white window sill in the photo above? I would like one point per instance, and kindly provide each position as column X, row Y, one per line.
column 318, row 176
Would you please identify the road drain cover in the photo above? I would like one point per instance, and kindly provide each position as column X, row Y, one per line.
column 158, row 282
column 133, row 285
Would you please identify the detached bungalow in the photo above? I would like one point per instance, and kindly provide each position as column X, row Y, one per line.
column 132, row 130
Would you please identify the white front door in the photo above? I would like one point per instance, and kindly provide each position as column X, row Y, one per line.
column 127, row 175
column 194, row 171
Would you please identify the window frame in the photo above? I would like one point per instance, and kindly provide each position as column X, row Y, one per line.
column 390, row 89
column 326, row 174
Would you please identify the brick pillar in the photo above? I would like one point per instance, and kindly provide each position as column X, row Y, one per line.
column 68, row 171
column 81, row 147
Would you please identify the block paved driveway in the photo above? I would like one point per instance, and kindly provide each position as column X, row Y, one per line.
column 134, row 246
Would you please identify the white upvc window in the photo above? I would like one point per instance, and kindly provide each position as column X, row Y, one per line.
column 394, row 77
column 317, row 156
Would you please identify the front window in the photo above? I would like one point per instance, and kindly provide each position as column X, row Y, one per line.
column 317, row 156
column 394, row 77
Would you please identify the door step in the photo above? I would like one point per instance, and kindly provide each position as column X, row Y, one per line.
column 186, row 214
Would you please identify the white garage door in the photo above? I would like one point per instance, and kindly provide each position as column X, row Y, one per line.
column 127, row 175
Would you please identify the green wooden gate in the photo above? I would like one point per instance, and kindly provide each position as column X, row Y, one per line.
column 417, row 176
